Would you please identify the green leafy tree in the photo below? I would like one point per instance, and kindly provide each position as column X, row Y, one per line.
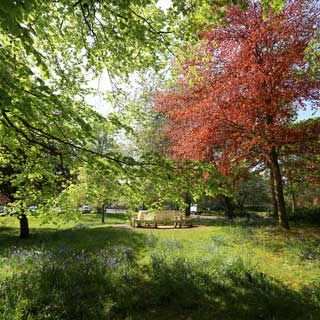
column 48, row 49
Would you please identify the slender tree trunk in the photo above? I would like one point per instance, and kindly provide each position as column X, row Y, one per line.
column 24, row 226
column 275, row 213
column 293, row 201
column 293, row 197
column 187, row 210
column 103, row 213
column 283, row 219
column 228, row 207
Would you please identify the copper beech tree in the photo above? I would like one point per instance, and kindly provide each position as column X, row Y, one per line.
column 237, row 93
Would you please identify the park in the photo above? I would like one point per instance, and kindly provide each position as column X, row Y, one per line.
column 159, row 159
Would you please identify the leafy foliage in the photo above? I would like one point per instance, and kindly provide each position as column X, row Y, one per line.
column 234, row 101
column 239, row 87
column 49, row 50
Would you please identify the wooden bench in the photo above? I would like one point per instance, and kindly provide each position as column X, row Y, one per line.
column 175, row 217
column 143, row 219
column 183, row 220
column 165, row 217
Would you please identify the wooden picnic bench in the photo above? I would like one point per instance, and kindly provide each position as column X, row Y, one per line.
column 165, row 217
column 143, row 219
column 183, row 220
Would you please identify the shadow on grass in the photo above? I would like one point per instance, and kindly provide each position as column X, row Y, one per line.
column 79, row 238
column 93, row 273
column 109, row 285
column 218, row 290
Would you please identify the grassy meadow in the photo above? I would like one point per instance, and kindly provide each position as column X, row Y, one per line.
column 244, row 269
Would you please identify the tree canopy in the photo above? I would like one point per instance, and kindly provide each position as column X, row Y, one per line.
column 234, row 100
column 49, row 50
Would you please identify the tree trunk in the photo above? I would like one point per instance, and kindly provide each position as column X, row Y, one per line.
column 275, row 213
column 24, row 226
column 103, row 213
column 293, row 201
column 293, row 196
column 187, row 210
column 228, row 207
column 283, row 219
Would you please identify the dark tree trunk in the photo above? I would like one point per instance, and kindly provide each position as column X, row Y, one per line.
column 103, row 213
column 275, row 213
column 283, row 219
column 228, row 207
column 187, row 210
column 24, row 226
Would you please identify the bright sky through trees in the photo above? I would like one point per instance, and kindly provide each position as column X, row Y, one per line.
column 102, row 85
column 306, row 114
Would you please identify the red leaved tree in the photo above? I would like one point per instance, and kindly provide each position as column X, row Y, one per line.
column 234, row 101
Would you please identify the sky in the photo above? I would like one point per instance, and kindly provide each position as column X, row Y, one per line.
column 164, row 4
column 101, row 85
column 306, row 114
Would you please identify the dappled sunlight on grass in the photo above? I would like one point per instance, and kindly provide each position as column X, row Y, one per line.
column 223, row 270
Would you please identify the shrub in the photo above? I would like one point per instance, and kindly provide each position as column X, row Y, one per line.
column 308, row 215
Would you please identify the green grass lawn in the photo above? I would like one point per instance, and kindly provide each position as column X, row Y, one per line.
column 216, row 270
